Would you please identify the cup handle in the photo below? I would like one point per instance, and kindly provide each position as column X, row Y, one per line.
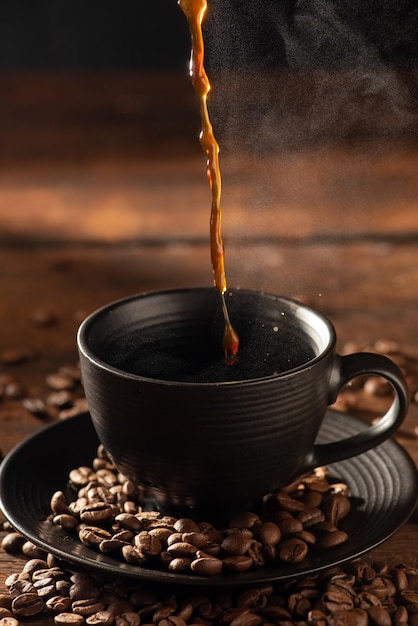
column 345, row 369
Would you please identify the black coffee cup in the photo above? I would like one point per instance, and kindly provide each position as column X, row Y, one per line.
column 200, row 435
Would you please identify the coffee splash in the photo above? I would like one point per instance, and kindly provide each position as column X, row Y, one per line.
column 194, row 11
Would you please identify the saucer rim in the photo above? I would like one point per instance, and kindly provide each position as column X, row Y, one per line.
column 27, row 520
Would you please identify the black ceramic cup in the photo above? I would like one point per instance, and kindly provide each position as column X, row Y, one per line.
column 200, row 435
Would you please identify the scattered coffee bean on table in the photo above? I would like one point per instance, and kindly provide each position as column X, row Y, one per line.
column 360, row 593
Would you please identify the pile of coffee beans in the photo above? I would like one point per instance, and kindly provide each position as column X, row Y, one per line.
column 359, row 594
column 107, row 514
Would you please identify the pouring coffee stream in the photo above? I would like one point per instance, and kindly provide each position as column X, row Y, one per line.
column 194, row 11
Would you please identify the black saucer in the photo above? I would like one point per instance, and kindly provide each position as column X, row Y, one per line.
column 383, row 484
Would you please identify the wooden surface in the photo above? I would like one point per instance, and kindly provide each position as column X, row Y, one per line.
column 103, row 194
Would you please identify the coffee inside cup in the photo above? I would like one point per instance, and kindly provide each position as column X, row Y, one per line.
column 185, row 344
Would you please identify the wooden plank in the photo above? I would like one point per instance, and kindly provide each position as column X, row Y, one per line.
column 369, row 291
column 116, row 157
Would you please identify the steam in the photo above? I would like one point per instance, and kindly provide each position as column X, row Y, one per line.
column 303, row 72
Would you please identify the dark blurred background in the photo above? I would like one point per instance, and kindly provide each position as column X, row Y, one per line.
column 102, row 34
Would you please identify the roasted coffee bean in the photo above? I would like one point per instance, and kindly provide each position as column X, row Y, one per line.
column 48, row 573
column 195, row 538
column 58, row 604
column 32, row 551
column 36, row 406
column 247, row 619
column 60, row 382
column 68, row 522
column 13, row 543
column 254, row 599
column 148, row 544
column 185, row 525
column 332, row 539
column 92, row 536
column 256, row 552
column 379, row 616
column 236, row 544
column 81, row 476
column 163, row 534
column 58, row 503
column 21, row 586
column 336, row 507
column 289, row 526
column 284, row 502
column 179, row 565
column 60, row 399
column 129, row 522
column 132, row 555
column 206, row 566
column 246, row 519
column 237, row 563
column 310, row 517
column 68, row 619
column 269, row 533
column 182, row 549
column 292, row 550
column 97, row 513
column 83, row 587
column 87, row 606
column 27, row 605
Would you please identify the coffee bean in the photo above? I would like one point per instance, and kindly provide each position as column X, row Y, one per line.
column 292, row 550
column 60, row 399
column 68, row 522
column 179, row 565
column 182, row 549
column 97, row 513
column 310, row 516
column 104, row 618
column 58, row 604
column 87, row 606
column 27, row 605
column 379, row 616
column 132, row 555
column 246, row 519
column 247, row 619
column 92, row 536
column 332, row 539
column 13, row 543
column 60, row 382
column 68, row 619
column 148, row 544
column 236, row 544
column 36, row 406
column 32, row 551
column 237, row 563
column 206, row 566
column 269, row 533
column 336, row 507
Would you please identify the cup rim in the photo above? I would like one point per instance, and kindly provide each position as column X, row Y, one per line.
column 303, row 313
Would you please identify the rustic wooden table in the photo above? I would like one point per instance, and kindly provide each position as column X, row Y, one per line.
column 103, row 194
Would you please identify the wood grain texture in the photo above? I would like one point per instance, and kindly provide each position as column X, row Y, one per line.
column 102, row 195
